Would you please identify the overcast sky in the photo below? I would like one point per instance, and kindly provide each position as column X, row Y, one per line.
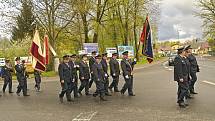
column 179, row 15
column 175, row 15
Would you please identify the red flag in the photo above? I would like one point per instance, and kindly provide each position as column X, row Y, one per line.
column 37, row 55
column 46, row 49
column 143, row 34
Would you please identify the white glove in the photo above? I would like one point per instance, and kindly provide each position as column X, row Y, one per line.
column 106, row 75
column 135, row 59
column 127, row 77
column 181, row 80
column 77, row 66
column 114, row 74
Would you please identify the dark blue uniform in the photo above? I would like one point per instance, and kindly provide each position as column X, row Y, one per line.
column 106, row 80
column 181, row 76
column 65, row 74
column 99, row 78
column 194, row 68
column 7, row 78
column 92, row 60
column 115, row 72
column 21, row 77
column 74, row 69
column 127, row 68
column 37, row 77
column 84, row 75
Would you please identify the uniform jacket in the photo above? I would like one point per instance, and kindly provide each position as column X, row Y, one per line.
column 74, row 69
column 64, row 71
column 7, row 72
column 92, row 60
column 180, row 68
column 127, row 67
column 98, row 72
column 104, row 65
column 84, row 70
column 20, row 72
column 193, row 63
column 114, row 67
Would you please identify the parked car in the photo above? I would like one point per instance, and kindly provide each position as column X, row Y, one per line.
column 171, row 59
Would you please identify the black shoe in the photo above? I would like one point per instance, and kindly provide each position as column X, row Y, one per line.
column 26, row 95
column 76, row 96
column 107, row 94
column 110, row 89
column 103, row 99
column 193, row 93
column 11, row 92
column 80, row 93
column 122, row 93
column 186, row 104
column 95, row 94
column 189, row 97
column 182, row 105
column 132, row 95
column 17, row 94
column 88, row 94
column 61, row 99
column 69, row 100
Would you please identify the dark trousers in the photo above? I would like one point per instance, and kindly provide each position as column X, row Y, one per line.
column 7, row 81
column 192, row 81
column 100, row 89
column 183, row 91
column 67, row 88
column 84, row 84
column 37, row 82
column 114, row 83
column 128, row 85
column 106, row 84
column 76, row 87
column 91, row 81
column 22, row 87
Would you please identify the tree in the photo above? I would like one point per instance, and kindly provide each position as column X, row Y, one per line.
column 24, row 22
column 207, row 13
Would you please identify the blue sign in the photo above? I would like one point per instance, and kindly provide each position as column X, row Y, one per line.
column 122, row 49
column 90, row 47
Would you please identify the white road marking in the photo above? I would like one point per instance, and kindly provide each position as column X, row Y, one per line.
column 85, row 116
column 208, row 82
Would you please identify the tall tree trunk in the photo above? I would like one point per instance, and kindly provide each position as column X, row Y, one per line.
column 84, row 20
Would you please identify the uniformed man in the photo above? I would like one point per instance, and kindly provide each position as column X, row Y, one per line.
column 127, row 68
column 37, row 77
column 181, row 76
column 99, row 78
column 7, row 69
column 26, row 75
column 84, row 75
column 74, row 67
column 194, row 68
column 105, row 68
column 92, row 60
column 188, row 96
column 21, row 77
column 115, row 72
column 66, row 79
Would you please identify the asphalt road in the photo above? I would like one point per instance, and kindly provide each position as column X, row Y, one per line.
column 155, row 100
